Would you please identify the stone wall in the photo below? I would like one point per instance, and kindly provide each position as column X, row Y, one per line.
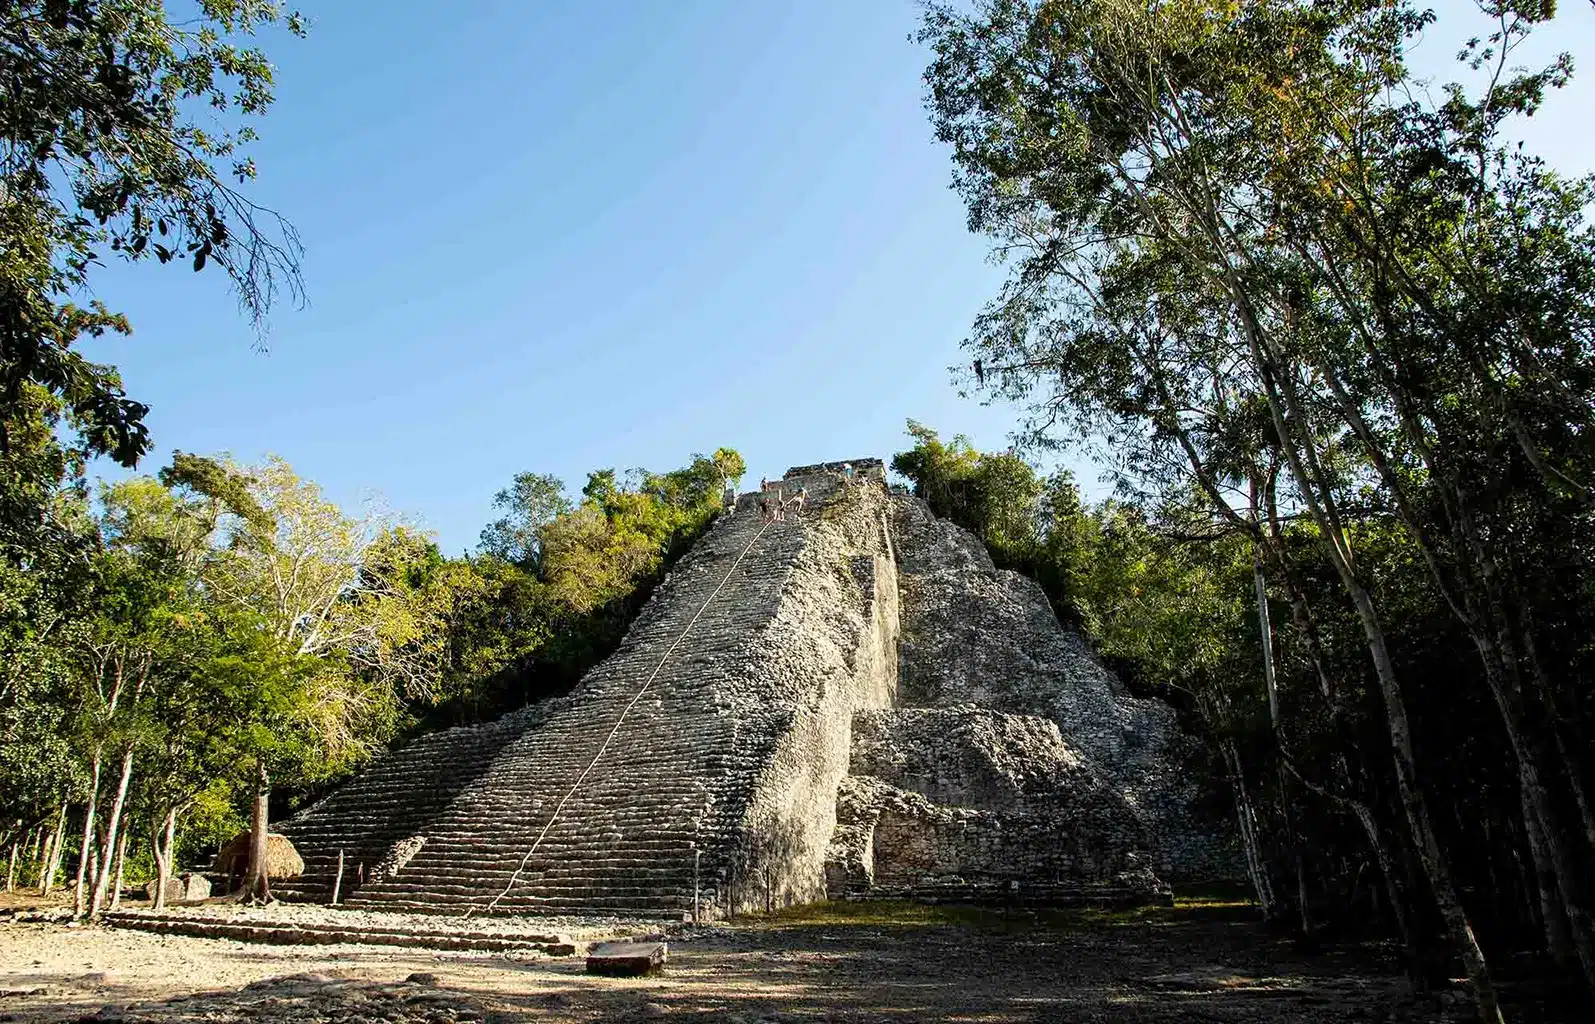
column 837, row 627
column 957, row 796
column 974, row 635
column 394, row 798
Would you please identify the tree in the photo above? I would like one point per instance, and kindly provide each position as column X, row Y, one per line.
column 47, row 552
column 102, row 151
column 731, row 466
column 345, row 634
column 124, row 652
column 1249, row 274
column 310, row 630
column 532, row 501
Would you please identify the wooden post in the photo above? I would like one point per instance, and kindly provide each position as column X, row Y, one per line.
column 697, row 855
column 337, row 883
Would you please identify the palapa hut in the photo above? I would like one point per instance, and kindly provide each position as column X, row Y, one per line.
column 282, row 860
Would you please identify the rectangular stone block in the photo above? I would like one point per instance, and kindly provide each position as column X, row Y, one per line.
column 627, row 959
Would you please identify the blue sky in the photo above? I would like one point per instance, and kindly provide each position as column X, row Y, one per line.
column 562, row 237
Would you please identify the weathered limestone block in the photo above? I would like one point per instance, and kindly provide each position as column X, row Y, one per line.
column 928, row 544
column 967, row 756
column 174, row 889
column 967, row 797
column 396, row 858
column 837, row 628
column 627, row 959
column 188, row 887
column 196, row 887
column 916, row 844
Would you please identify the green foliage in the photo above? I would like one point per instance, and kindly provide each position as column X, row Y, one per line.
column 1339, row 334
column 531, row 502
column 997, row 496
column 557, row 583
column 105, row 153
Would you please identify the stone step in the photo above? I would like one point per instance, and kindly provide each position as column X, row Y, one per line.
column 1026, row 894
column 294, row 934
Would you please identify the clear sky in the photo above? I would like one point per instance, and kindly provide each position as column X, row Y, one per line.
column 562, row 237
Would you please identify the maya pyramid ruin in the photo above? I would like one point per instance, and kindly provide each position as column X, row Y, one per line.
column 853, row 702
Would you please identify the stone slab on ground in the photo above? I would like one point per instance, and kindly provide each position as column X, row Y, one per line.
column 189, row 887
column 627, row 959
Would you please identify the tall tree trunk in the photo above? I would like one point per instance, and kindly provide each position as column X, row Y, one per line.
column 86, row 851
column 1553, row 917
column 162, row 840
column 1256, row 865
column 51, row 862
column 1436, row 866
column 1575, row 779
column 112, row 832
column 30, row 853
column 257, row 885
column 1279, row 389
column 1265, row 630
column 1398, row 903
column 1482, row 598
column 121, row 865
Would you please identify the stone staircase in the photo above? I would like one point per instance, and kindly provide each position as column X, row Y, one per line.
column 656, row 819
column 391, row 799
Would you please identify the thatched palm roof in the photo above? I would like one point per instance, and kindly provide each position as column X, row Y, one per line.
column 282, row 860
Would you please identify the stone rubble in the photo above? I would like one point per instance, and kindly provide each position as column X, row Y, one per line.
column 977, row 636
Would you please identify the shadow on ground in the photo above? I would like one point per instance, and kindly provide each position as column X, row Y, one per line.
column 845, row 964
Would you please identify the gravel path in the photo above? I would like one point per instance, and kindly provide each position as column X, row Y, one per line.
column 1210, row 970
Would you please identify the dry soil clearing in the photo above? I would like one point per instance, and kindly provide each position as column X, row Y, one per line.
column 898, row 964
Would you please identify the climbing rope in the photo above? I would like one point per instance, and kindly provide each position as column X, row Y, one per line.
column 619, row 721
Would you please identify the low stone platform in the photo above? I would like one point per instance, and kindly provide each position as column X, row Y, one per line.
column 296, row 934
column 1032, row 895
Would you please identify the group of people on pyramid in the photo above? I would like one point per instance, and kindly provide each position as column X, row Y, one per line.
column 773, row 502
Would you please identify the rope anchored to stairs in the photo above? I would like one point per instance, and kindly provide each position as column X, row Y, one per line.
column 618, row 722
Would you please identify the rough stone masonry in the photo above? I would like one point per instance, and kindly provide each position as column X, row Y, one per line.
column 850, row 703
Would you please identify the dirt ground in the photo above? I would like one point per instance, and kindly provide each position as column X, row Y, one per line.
column 841, row 964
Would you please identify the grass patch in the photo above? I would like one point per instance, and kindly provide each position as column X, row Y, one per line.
column 876, row 914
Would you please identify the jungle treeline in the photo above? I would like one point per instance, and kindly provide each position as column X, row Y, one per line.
column 1329, row 327
column 184, row 655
